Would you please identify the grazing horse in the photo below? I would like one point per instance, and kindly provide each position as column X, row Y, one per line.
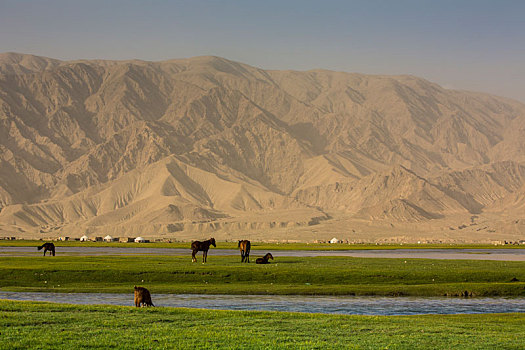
column 245, row 246
column 142, row 297
column 48, row 246
column 264, row 259
column 203, row 247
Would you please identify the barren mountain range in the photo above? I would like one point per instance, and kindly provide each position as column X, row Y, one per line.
column 191, row 148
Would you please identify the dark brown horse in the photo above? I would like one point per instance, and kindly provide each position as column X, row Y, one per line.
column 264, row 259
column 203, row 247
column 48, row 246
column 142, row 297
column 244, row 247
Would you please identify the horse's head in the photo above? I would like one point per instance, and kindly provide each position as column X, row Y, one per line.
column 269, row 256
column 238, row 245
column 212, row 241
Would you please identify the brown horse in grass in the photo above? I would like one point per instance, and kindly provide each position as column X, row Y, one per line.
column 142, row 297
column 245, row 246
column 203, row 247
column 264, row 259
column 48, row 246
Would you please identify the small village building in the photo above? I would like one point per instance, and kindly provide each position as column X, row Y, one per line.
column 335, row 240
column 84, row 238
column 140, row 240
column 108, row 238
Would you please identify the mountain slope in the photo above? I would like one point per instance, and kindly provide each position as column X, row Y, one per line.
column 261, row 145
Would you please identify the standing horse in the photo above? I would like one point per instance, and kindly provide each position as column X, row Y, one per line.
column 203, row 247
column 244, row 247
column 264, row 259
column 48, row 246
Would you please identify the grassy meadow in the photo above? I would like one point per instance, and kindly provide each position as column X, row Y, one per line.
column 260, row 245
column 285, row 275
column 57, row 326
column 60, row 326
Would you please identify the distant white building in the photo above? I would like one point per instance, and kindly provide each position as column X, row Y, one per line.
column 140, row 240
column 108, row 238
column 84, row 238
column 335, row 240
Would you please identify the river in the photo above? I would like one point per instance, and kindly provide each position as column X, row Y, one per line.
column 346, row 305
column 463, row 254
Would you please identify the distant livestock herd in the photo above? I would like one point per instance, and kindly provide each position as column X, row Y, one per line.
column 143, row 296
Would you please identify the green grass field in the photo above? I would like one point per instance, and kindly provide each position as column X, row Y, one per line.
column 263, row 246
column 26, row 325
column 286, row 275
column 55, row 326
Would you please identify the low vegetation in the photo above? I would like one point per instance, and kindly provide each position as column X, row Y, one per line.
column 262, row 245
column 285, row 275
column 53, row 326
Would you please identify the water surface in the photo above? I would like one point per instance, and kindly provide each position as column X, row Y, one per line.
column 346, row 305
column 468, row 254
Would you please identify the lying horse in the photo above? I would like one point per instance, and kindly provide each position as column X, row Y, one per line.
column 203, row 247
column 264, row 259
column 48, row 246
column 245, row 246
column 142, row 297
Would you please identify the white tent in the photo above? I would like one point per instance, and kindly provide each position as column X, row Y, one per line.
column 84, row 238
column 335, row 240
column 139, row 240
column 108, row 238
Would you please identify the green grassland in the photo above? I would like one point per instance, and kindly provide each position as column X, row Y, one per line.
column 261, row 245
column 26, row 325
column 285, row 275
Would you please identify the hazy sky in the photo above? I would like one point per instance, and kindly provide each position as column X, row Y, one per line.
column 474, row 45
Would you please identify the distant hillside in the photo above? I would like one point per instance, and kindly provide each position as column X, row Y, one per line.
column 192, row 147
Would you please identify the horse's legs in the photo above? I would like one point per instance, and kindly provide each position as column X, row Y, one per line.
column 242, row 256
column 204, row 255
column 193, row 258
column 45, row 250
column 53, row 251
column 247, row 257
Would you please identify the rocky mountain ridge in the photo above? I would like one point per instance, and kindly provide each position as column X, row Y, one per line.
column 183, row 148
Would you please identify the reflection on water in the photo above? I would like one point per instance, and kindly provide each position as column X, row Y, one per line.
column 347, row 305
